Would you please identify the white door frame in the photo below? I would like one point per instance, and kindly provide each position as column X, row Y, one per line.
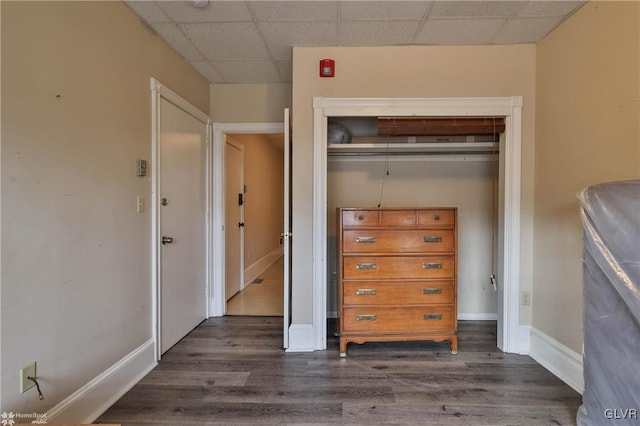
column 158, row 91
column 509, row 337
column 217, row 301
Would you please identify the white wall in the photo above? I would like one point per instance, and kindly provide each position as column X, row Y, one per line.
column 425, row 182
column 76, row 114
column 587, row 132
column 249, row 103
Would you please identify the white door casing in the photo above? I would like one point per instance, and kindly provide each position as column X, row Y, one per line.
column 234, row 219
column 180, row 170
column 508, row 274
column 286, row 232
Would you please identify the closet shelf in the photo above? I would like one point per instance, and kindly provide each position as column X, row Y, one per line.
column 412, row 148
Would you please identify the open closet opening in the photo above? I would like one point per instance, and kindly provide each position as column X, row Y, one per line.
column 417, row 162
column 368, row 153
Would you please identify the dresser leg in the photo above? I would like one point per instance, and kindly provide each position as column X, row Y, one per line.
column 343, row 348
column 454, row 346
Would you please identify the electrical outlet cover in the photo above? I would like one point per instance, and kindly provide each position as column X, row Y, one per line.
column 28, row 371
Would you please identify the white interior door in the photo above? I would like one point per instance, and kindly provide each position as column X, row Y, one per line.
column 234, row 219
column 182, row 171
column 286, row 233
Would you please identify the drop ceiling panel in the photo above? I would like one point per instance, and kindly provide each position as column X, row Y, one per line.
column 548, row 8
column 205, row 68
column 382, row 10
column 294, row 10
column 286, row 70
column 173, row 35
column 281, row 36
column 526, row 30
column 229, row 41
column 475, row 8
column 149, row 11
column 377, row 33
column 248, row 71
column 215, row 11
column 460, row 31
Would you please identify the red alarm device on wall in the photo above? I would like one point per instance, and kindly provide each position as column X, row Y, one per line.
column 327, row 68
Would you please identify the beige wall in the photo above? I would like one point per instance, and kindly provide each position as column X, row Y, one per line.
column 76, row 114
column 249, row 103
column 411, row 71
column 264, row 199
column 467, row 185
column 587, row 131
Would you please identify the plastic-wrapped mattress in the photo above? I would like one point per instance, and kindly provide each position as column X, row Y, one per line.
column 611, row 323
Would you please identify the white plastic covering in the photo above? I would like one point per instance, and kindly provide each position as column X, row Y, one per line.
column 611, row 222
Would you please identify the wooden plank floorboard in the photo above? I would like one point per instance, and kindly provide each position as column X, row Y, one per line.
column 232, row 370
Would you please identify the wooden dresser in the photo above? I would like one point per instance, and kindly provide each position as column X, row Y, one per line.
column 397, row 275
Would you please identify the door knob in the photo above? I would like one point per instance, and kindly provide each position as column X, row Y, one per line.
column 167, row 240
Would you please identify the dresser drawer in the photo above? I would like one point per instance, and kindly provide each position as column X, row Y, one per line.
column 385, row 241
column 400, row 218
column 399, row 318
column 437, row 218
column 360, row 218
column 389, row 267
column 398, row 292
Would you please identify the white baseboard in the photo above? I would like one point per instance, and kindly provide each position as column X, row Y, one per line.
column 261, row 265
column 301, row 338
column 89, row 402
column 477, row 317
column 563, row 362
column 524, row 339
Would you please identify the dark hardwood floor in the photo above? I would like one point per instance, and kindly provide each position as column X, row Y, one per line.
column 231, row 370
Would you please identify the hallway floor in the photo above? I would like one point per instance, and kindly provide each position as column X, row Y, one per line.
column 263, row 299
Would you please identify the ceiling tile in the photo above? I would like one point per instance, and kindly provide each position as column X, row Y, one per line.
column 281, row 36
column 227, row 41
column 148, row 10
column 173, row 35
column 294, row 10
column 459, row 31
column 205, row 68
column 377, row 33
column 215, row 11
column 526, row 30
column 286, row 70
column 382, row 10
column 475, row 8
column 248, row 71
column 549, row 8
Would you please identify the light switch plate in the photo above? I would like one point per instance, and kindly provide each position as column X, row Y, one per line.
column 140, row 204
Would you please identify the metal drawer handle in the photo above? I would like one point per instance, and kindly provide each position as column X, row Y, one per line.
column 365, row 239
column 366, row 291
column 431, row 316
column 436, row 217
column 427, row 265
column 428, row 239
column 432, row 291
column 361, row 217
column 365, row 266
column 365, row 317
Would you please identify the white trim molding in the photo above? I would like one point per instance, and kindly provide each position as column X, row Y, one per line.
column 89, row 402
column 509, row 274
column 301, row 338
column 563, row 362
